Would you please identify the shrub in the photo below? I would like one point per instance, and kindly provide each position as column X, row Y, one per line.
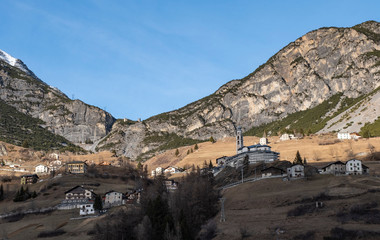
column 53, row 233
column 302, row 210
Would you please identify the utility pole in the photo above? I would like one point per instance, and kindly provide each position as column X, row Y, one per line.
column 222, row 215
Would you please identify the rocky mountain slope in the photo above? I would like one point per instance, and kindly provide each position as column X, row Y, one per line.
column 72, row 119
column 328, row 63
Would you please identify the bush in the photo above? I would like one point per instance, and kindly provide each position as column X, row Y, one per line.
column 361, row 213
column 343, row 234
column 53, row 233
column 302, row 210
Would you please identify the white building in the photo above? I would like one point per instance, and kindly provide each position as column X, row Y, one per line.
column 55, row 165
column 296, row 171
column 42, row 169
column 344, row 135
column 86, row 209
column 172, row 170
column 286, row 137
column 354, row 167
column 54, row 155
column 263, row 141
column 158, row 171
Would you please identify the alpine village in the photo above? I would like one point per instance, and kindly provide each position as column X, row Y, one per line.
column 291, row 151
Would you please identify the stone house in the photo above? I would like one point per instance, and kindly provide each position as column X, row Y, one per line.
column 55, row 165
column 336, row 168
column 296, row 171
column 113, row 198
column 79, row 192
column 171, row 185
column 77, row 197
column 272, row 171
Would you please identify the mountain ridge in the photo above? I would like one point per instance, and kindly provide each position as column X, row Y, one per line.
column 300, row 76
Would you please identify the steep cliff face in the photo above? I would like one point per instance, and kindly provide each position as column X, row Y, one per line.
column 302, row 75
column 72, row 119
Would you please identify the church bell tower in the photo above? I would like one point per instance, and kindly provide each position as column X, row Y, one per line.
column 239, row 139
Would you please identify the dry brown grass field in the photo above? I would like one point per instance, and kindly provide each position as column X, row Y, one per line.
column 309, row 147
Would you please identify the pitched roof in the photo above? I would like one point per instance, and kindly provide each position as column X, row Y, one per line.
column 30, row 175
column 78, row 189
column 274, row 168
column 76, row 162
column 337, row 162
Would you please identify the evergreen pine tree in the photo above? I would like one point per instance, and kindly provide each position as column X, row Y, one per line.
column 98, row 203
column 298, row 158
column 191, row 150
column 177, row 152
column 210, row 165
column 246, row 163
column 188, row 152
column 212, row 139
column 1, row 192
column 196, row 147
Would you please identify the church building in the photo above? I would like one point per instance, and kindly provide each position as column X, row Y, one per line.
column 255, row 153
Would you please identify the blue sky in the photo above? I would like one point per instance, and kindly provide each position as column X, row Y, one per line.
column 140, row 58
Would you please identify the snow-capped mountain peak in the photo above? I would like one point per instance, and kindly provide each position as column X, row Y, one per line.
column 14, row 62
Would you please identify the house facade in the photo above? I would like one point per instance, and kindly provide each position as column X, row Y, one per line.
column 157, row 171
column 79, row 192
column 344, row 135
column 29, row 179
column 55, row 165
column 172, row 170
column 264, row 141
column 77, row 197
column 354, row 167
column 296, row 171
column 171, row 185
column 113, row 198
column 286, row 137
column 41, row 169
column 86, row 209
column 336, row 168
column 355, row 135
column 272, row 171
column 76, row 167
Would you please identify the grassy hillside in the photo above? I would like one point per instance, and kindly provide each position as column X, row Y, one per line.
column 22, row 130
column 309, row 121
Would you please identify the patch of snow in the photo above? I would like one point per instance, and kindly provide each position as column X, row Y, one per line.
column 13, row 61
column 8, row 58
